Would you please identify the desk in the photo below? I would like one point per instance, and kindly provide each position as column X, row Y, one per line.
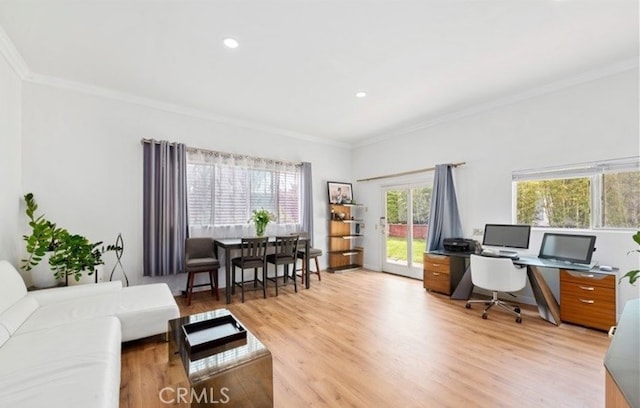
column 229, row 244
column 548, row 306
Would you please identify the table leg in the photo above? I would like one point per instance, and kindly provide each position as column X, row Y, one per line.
column 307, row 283
column 227, row 271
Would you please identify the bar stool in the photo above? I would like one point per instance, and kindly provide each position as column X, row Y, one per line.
column 314, row 253
column 199, row 257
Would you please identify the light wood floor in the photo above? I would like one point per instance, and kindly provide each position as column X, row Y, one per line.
column 366, row 339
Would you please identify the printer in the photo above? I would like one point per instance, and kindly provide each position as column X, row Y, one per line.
column 459, row 245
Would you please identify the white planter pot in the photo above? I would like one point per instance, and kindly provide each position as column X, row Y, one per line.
column 86, row 278
column 42, row 275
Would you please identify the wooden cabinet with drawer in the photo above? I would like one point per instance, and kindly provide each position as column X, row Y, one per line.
column 588, row 299
column 436, row 269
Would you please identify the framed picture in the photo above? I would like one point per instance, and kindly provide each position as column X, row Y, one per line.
column 340, row 193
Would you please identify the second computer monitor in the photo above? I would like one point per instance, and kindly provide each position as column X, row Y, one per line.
column 507, row 235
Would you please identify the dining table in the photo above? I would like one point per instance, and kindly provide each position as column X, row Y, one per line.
column 231, row 244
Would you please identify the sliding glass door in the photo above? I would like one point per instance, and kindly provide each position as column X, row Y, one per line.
column 405, row 228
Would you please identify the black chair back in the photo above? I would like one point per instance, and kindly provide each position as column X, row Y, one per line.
column 287, row 246
column 199, row 248
column 253, row 249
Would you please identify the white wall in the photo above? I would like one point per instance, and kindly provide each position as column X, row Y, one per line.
column 83, row 162
column 10, row 163
column 591, row 121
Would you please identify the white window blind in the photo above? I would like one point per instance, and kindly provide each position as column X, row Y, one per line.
column 224, row 189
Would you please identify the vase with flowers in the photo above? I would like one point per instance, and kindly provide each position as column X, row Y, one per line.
column 261, row 218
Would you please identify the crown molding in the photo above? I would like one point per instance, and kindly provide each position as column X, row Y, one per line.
column 588, row 76
column 13, row 57
column 172, row 108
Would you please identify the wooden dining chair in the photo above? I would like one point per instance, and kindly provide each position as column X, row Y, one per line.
column 252, row 256
column 286, row 250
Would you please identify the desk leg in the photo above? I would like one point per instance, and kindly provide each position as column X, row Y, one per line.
column 465, row 287
column 307, row 282
column 547, row 304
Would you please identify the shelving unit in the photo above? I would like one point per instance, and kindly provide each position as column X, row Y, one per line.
column 344, row 233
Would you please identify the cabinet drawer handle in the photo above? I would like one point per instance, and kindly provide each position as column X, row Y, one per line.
column 435, row 273
column 587, row 275
column 435, row 265
column 590, row 288
column 588, row 301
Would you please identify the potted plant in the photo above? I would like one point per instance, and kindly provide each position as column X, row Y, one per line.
column 64, row 254
column 74, row 256
column 635, row 274
column 261, row 218
column 40, row 244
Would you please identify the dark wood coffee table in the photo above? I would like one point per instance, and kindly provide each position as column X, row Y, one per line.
column 237, row 376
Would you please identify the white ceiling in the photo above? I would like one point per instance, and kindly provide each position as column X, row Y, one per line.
column 300, row 62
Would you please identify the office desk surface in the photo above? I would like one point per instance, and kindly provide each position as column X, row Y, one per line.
column 532, row 260
column 623, row 357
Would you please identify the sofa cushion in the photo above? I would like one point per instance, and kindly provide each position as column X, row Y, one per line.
column 48, row 296
column 4, row 335
column 71, row 311
column 143, row 310
column 75, row 365
column 12, row 288
column 18, row 313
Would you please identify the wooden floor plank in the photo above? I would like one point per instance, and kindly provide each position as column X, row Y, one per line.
column 366, row 339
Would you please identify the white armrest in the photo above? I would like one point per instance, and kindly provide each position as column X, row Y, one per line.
column 53, row 295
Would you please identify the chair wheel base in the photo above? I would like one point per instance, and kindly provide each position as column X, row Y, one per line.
column 468, row 305
column 517, row 310
column 518, row 319
column 484, row 316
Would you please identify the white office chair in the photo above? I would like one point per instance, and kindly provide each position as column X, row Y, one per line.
column 497, row 275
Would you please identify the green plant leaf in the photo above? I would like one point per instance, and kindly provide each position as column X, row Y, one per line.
column 632, row 276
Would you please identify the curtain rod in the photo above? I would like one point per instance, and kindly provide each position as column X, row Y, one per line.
column 405, row 173
column 237, row 155
column 154, row 141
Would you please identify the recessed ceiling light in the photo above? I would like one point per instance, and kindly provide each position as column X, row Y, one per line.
column 361, row 94
column 231, row 43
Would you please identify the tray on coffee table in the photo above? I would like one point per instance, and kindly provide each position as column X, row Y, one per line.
column 213, row 336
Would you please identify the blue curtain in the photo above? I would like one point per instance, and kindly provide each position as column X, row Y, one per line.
column 307, row 202
column 444, row 218
column 164, row 207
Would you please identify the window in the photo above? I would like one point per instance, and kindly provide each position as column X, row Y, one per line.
column 225, row 192
column 592, row 195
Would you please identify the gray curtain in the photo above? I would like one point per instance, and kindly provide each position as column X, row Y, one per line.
column 164, row 207
column 307, row 201
column 444, row 219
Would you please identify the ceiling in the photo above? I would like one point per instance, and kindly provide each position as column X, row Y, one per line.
column 300, row 62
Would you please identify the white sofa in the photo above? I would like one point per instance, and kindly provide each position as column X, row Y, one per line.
column 61, row 347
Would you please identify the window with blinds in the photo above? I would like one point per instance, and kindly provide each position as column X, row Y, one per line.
column 603, row 194
column 226, row 195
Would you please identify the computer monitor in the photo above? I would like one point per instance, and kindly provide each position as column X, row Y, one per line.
column 507, row 235
column 568, row 247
